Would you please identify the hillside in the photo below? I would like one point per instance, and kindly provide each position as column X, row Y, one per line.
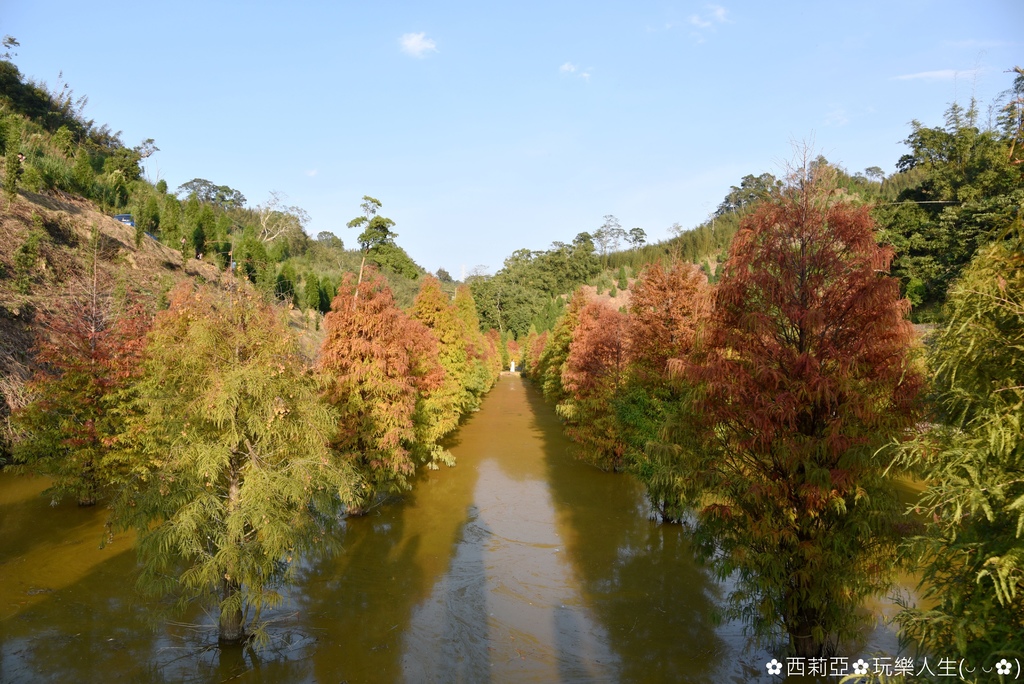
column 49, row 248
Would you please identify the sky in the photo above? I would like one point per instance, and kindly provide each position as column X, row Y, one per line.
column 487, row 127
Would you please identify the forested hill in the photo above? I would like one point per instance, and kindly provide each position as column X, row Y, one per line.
column 65, row 177
column 956, row 186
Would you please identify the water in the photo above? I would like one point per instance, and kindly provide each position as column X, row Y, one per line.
column 518, row 565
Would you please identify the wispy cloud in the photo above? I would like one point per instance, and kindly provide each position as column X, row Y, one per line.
column 570, row 69
column 417, row 44
column 712, row 16
column 836, row 117
column 312, row 172
column 939, row 75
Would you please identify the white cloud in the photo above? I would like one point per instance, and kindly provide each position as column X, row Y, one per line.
column 940, row 75
column 312, row 172
column 417, row 44
column 713, row 16
column 571, row 69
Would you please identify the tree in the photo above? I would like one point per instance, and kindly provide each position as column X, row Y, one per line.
column 378, row 241
column 972, row 553
column 607, row 236
column 551, row 362
column 445, row 403
column 9, row 43
column 88, row 355
column 807, row 372
column 637, row 237
column 378, row 363
column 277, row 220
column 235, row 477
column 593, row 373
column 209, row 193
column 967, row 190
column 752, row 189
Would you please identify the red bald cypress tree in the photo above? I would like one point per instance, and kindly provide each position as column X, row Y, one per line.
column 378, row 363
column 669, row 308
column 807, row 373
column 88, row 354
column 594, row 372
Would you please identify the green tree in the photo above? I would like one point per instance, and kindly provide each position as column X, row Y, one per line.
column 235, row 475
column 967, row 190
column 807, row 372
column 377, row 241
column 972, row 554
column 451, row 398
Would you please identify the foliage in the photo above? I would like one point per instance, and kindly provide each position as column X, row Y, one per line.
column 967, row 188
column 528, row 289
column 445, row 403
column 210, row 193
column 751, row 190
column 594, row 370
column 234, row 477
column 88, row 356
column 806, row 373
column 669, row 306
column 551, row 362
column 378, row 363
column 973, row 460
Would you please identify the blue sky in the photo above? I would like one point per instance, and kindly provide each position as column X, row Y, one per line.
column 489, row 127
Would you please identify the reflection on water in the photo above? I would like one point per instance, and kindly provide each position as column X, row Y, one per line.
column 519, row 564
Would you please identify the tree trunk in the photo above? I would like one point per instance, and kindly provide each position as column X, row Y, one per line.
column 232, row 631
column 802, row 641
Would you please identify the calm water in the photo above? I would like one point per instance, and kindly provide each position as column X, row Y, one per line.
column 517, row 565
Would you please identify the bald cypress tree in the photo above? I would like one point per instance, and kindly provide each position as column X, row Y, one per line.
column 234, row 473
column 972, row 554
column 807, row 372
column 378, row 364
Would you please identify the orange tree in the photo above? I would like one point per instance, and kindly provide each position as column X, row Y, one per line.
column 668, row 307
column 808, row 370
column 378, row 364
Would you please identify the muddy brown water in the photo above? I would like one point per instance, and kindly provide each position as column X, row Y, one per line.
column 518, row 565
